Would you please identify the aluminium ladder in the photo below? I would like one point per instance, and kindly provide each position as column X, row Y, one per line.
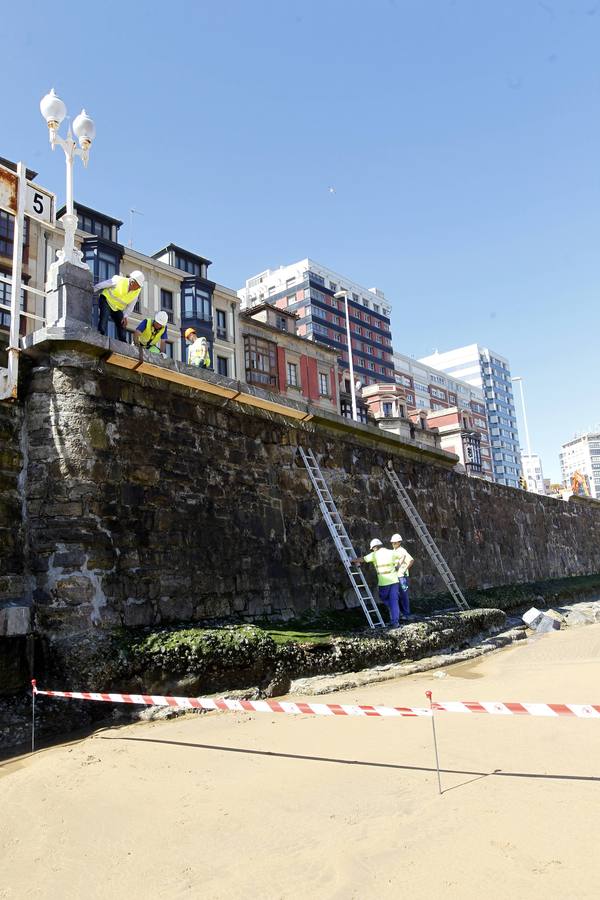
column 341, row 540
column 428, row 542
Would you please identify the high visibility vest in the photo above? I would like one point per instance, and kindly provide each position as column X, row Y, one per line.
column 385, row 565
column 150, row 338
column 197, row 356
column 119, row 296
column 401, row 559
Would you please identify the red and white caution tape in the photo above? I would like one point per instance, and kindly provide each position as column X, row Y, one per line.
column 296, row 708
column 509, row 708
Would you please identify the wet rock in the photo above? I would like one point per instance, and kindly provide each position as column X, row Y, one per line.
column 577, row 617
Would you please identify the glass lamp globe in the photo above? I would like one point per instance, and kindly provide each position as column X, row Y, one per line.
column 84, row 128
column 53, row 109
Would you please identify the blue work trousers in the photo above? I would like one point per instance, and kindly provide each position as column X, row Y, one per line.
column 388, row 594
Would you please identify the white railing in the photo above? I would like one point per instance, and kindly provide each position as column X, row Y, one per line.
column 22, row 312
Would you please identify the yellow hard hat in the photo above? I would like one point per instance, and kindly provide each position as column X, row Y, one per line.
column 189, row 332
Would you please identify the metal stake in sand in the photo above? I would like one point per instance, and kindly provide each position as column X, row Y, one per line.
column 33, row 693
column 437, row 762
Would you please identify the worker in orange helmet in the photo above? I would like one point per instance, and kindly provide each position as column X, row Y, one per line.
column 197, row 351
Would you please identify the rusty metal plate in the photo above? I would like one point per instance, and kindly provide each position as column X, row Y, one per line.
column 9, row 188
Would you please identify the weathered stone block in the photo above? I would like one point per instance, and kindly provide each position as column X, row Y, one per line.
column 12, row 587
column 175, row 610
column 75, row 589
column 138, row 614
column 71, row 509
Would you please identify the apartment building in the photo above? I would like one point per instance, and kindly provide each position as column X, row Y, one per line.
column 427, row 388
column 582, row 454
column 488, row 371
column 277, row 358
column 307, row 288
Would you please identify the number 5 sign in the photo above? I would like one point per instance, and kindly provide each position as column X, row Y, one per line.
column 39, row 203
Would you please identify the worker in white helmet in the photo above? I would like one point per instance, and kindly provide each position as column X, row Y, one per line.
column 387, row 577
column 118, row 296
column 197, row 351
column 402, row 561
column 151, row 334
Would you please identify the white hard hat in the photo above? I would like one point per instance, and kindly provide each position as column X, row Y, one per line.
column 161, row 317
column 375, row 543
column 138, row 276
column 395, row 539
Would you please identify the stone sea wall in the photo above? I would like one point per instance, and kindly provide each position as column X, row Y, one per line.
column 148, row 503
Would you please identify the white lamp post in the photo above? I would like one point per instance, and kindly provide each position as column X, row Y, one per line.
column 520, row 380
column 339, row 296
column 54, row 111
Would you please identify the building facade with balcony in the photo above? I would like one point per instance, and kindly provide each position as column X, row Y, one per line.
column 307, row 289
column 490, row 372
column 429, row 389
column 278, row 359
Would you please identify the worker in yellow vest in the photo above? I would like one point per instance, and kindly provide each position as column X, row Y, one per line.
column 118, row 296
column 384, row 561
column 403, row 561
column 151, row 334
column 197, row 351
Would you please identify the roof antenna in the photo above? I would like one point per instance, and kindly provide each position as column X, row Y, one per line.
column 132, row 212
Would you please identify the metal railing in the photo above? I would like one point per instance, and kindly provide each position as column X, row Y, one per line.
column 22, row 312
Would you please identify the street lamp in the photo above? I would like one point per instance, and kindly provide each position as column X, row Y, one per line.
column 520, row 380
column 54, row 111
column 339, row 295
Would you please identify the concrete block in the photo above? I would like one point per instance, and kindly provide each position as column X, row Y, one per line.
column 15, row 621
column 540, row 622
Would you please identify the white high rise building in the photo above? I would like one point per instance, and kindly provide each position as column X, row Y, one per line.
column 489, row 371
column 532, row 471
column 582, row 454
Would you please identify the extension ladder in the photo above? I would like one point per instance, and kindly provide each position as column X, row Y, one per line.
column 428, row 542
column 341, row 540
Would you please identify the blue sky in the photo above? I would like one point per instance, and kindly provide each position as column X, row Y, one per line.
column 462, row 138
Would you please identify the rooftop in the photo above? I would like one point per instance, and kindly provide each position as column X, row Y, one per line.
column 183, row 252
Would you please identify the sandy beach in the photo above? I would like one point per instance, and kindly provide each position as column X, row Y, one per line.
column 226, row 805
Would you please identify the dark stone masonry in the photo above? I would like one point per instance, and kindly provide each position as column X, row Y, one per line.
column 149, row 503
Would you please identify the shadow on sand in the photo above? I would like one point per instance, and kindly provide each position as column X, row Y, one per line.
column 496, row 773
